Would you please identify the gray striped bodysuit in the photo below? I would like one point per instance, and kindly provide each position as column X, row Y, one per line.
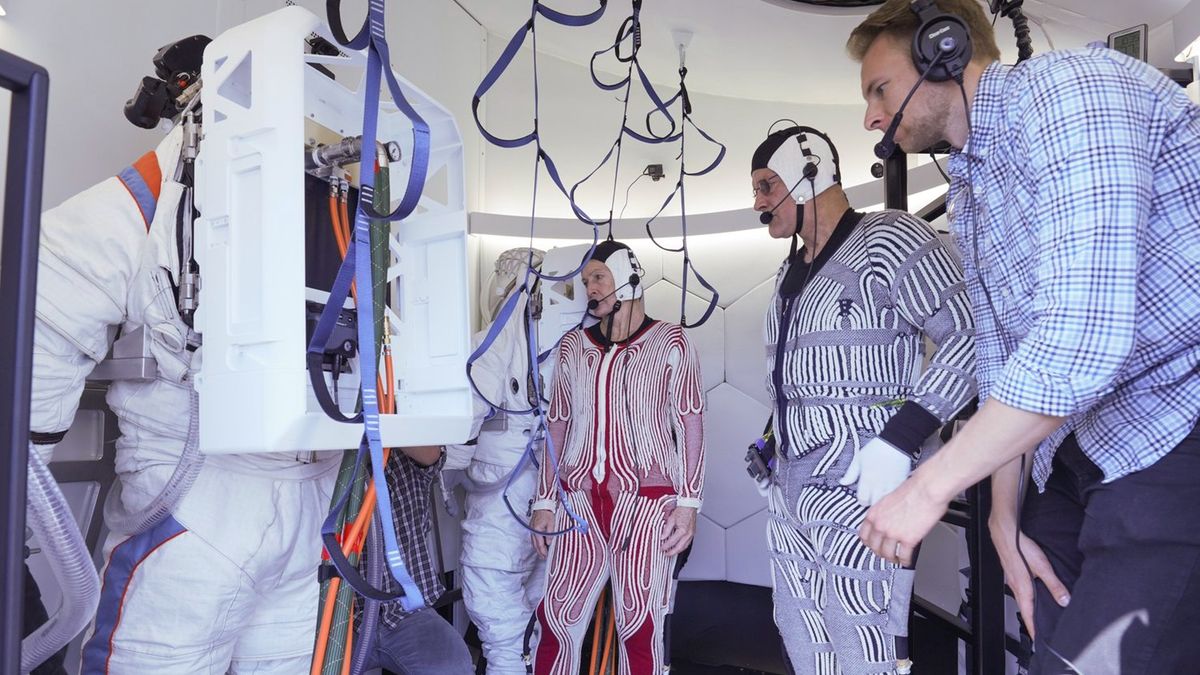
column 845, row 340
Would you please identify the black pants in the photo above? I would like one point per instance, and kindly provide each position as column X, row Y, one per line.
column 1129, row 552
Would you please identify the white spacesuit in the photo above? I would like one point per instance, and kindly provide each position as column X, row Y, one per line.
column 227, row 581
column 502, row 576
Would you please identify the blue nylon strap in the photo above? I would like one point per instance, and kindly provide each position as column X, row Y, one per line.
column 574, row 20
column 688, row 266
column 320, row 339
column 505, row 315
column 494, row 74
column 659, row 106
column 333, row 547
column 372, row 37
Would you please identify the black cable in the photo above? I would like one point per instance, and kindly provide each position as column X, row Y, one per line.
column 939, row 168
column 643, row 174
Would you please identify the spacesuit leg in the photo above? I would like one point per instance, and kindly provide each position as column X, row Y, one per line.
column 502, row 575
column 278, row 638
column 229, row 579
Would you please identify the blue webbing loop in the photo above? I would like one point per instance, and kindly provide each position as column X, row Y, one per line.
column 688, row 266
column 357, row 263
column 531, row 275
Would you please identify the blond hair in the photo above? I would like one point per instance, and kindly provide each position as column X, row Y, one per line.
column 896, row 19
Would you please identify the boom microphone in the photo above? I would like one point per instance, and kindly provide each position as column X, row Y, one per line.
column 634, row 280
column 885, row 147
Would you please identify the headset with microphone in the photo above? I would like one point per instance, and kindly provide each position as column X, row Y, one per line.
column 810, row 173
column 941, row 50
column 620, row 260
column 810, row 170
column 633, row 282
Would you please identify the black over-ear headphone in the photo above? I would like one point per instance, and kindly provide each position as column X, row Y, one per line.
column 810, row 169
column 944, row 33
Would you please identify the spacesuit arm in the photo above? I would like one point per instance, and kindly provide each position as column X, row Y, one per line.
column 558, row 417
column 89, row 252
column 687, row 399
column 505, row 364
column 930, row 294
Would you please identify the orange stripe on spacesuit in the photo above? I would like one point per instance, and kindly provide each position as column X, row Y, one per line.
column 143, row 181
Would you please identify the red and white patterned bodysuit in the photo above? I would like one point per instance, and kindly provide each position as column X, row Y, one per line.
column 626, row 420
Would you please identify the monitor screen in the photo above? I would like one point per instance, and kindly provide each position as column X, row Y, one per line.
column 1131, row 41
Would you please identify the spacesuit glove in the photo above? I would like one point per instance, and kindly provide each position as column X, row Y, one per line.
column 879, row 467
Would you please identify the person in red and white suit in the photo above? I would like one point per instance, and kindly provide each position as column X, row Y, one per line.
column 626, row 424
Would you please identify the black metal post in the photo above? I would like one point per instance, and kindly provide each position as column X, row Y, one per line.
column 895, row 181
column 987, row 587
column 30, row 86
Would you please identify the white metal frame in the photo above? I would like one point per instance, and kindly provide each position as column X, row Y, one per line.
column 255, row 396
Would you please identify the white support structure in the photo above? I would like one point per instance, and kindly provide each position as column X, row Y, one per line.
column 260, row 92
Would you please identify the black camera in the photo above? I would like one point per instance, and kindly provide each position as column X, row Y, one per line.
column 177, row 67
column 760, row 456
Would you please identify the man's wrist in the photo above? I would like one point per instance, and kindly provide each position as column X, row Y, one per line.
column 935, row 485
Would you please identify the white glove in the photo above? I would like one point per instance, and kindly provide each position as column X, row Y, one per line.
column 763, row 485
column 879, row 467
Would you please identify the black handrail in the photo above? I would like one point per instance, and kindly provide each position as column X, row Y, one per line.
column 29, row 84
column 985, row 635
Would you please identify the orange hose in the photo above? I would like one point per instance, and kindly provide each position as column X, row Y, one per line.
column 337, row 227
column 608, row 641
column 318, row 663
column 349, row 656
column 355, row 536
column 596, row 621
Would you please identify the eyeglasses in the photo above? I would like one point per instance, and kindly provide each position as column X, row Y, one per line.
column 763, row 186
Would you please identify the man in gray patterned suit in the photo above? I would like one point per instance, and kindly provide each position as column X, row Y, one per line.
column 845, row 333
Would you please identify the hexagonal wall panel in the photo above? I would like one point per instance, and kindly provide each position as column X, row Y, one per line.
column 733, row 262
column 731, row 421
column 662, row 302
column 747, row 560
column 707, row 560
column 745, row 353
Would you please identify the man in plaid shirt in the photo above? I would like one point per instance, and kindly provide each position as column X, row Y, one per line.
column 1076, row 202
column 420, row 641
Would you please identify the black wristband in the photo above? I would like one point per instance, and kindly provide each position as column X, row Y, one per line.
column 909, row 428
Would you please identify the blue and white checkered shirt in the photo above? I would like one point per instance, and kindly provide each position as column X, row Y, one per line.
column 1080, row 184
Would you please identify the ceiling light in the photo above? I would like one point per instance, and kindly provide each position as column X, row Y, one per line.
column 2, row 12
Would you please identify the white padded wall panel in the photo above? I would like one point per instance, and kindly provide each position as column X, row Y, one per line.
column 745, row 353
column 707, row 559
column 733, row 262
column 662, row 302
column 746, row 558
column 731, row 421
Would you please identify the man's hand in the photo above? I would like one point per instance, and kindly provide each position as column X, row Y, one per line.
column 679, row 530
column 1004, row 536
column 897, row 524
column 542, row 521
column 879, row 467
